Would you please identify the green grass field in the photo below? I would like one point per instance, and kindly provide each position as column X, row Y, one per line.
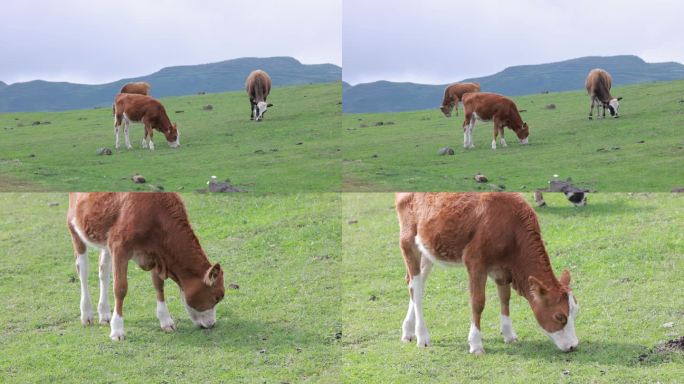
column 296, row 147
column 603, row 155
column 280, row 326
column 625, row 254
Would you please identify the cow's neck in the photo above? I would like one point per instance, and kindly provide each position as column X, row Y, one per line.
column 183, row 256
column 532, row 260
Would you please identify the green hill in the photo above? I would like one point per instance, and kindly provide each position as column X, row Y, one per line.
column 385, row 96
column 223, row 76
column 640, row 151
column 294, row 149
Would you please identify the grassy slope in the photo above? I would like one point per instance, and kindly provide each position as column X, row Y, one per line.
column 282, row 251
column 221, row 142
column 562, row 141
column 625, row 256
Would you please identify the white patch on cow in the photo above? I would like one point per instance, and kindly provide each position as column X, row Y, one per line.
column 117, row 327
column 430, row 256
column 165, row 320
column 524, row 141
column 507, row 330
column 151, row 145
column 86, row 305
column 116, row 135
column 417, row 285
column 566, row 338
column 616, row 106
column 475, row 340
column 144, row 143
column 493, row 144
column 127, row 121
column 261, row 107
column 408, row 327
column 83, row 237
column 175, row 144
column 204, row 319
column 502, row 141
column 105, row 268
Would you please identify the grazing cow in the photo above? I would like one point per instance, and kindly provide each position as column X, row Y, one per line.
column 258, row 86
column 140, row 88
column 146, row 110
column 153, row 230
column 491, row 234
column 453, row 94
column 491, row 106
column 598, row 85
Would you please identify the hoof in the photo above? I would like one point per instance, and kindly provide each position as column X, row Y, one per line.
column 477, row 351
column 407, row 339
column 87, row 319
column 511, row 340
column 117, row 336
column 590, row 118
column 168, row 327
column 105, row 318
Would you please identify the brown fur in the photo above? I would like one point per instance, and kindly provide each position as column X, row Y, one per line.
column 153, row 230
column 258, row 87
column 145, row 109
column 598, row 84
column 140, row 88
column 500, row 109
column 492, row 234
column 453, row 94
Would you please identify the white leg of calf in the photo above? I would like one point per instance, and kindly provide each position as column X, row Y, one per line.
column 103, row 311
column 117, row 327
column 151, row 145
column 86, row 305
column 408, row 328
column 116, row 135
column 475, row 340
column 470, row 135
column 128, row 140
column 502, row 141
column 165, row 320
column 507, row 330
column 418, row 287
column 494, row 144
column 466, row 143
column 144, row 143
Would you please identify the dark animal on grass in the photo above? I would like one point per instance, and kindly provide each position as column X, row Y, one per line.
column 258, row 86
column 598, row 85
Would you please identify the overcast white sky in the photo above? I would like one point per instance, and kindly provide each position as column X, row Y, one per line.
column 440, row 41
column 96, row 41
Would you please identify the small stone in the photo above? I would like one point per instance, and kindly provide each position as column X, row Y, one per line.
column 375, row 155
column 446, row 151
column 208, row 107
column 263, row 351
column 299, row 143
column 180, row 111
column 338, row 335
column 550, row 106
column 677, row 190
column 480, row 178
column 233, row 286
column 379, row 123
column 640, row 142
column 352, row 222
column 53, row 204
column 138, row 179
column 668, row 325
column 373, row 298
column 103, row 151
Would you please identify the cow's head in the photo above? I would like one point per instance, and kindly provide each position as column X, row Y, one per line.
column 201, row 295
column 173, row 136
column 260, row 109
column 614, row 107
column 556, row 311
column 446, row 109
column 523, row 133
column 577, row 198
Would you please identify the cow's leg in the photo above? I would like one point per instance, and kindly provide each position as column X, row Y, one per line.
column 478, row 281
column 103, row 311
column 502, row 141
column 466, row 125
column 417, row 289
column 251, row 109
column 149, row 133
column 504, row 290
column 120, row 269
column 604, row 109
column 127, row 122
column 495, row 130
column 456, row 105
column 412, row 262
column 80, row 251
column 591, row 109
column 165, row 320
column 117, row 128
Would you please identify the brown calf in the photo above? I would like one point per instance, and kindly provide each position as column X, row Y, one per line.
column 140, row 88
column 485, row 106
column 143, row 109
column 258, row 86
column 598, row 85
column 491, row 234
column 454, row 93
column 153, row 230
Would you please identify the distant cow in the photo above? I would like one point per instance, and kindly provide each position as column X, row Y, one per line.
column 491, row 106
column 598, row 85
column 494, row 235
column 454, row 93
column 140, row 88
column 153, row 230
column 146, row 110
column 258, row 86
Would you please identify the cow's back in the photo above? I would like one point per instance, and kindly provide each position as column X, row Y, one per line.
column 258, row 85
column 136, row 106
column 598, row 84
column 487, row 105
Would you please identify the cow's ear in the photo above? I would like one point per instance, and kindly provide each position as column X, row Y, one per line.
column 269, row 105
column 212, row 275
column 619, row 98
column 537, row 288
column 565, row 278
